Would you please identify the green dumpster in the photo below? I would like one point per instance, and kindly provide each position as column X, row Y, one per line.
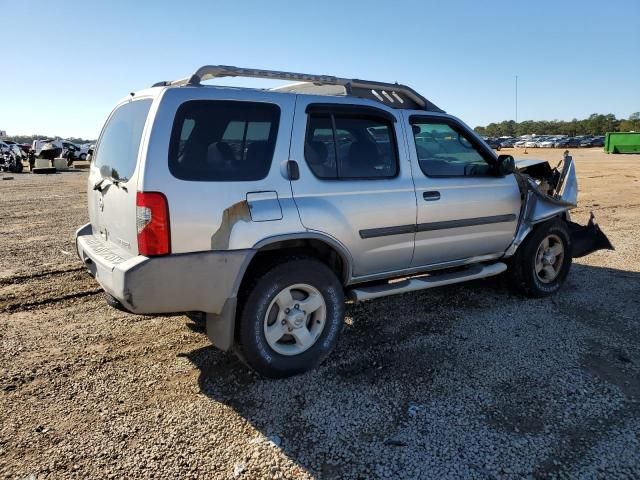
column 622, row 142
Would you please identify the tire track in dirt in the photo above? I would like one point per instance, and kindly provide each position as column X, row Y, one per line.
column 18, row 307
column 43, row 288
column 24, row 278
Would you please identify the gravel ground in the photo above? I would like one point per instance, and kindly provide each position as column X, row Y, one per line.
column 463, row 381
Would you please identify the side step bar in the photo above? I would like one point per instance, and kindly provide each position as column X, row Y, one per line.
column 422, row 283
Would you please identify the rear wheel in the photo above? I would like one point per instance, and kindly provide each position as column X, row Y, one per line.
column 542, row 262
column 291, row 318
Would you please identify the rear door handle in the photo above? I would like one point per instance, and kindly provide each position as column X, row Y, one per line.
column 431, row 196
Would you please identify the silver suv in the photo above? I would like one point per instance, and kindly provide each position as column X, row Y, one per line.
column 262, row 210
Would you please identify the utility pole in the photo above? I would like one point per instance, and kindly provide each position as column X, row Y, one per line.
column 516, row 99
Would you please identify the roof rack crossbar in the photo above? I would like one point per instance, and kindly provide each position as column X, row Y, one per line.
column 388, row 93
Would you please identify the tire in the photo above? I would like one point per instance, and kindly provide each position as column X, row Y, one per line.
column 523, row 271
column 114, row 302
column 83, row 157
column 262, row 312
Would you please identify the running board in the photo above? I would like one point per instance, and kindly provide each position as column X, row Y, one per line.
column 422, row 283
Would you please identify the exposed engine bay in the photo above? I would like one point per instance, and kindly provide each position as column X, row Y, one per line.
column 549, row 192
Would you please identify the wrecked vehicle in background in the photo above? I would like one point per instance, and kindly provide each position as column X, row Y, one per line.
column 48, row 149
column 261, row 211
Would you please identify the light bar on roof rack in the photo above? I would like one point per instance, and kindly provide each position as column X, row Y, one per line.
column 391, row 94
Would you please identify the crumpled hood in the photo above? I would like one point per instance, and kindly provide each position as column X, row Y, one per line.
column 528, row 162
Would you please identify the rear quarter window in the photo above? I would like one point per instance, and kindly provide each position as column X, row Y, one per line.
column 222, row 141
column 117, row 151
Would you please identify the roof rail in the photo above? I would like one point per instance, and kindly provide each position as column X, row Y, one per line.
column 390, row 94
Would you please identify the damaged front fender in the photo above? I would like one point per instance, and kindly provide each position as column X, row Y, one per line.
column 550, row 193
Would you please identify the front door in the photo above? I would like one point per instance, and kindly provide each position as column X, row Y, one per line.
column 355, row 181
column 464, row 209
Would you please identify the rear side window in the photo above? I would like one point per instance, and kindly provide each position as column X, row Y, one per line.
column 117, row 152
column 350, row 146
column 223, row 141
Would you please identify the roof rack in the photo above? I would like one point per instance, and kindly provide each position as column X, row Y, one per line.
column 390, row 94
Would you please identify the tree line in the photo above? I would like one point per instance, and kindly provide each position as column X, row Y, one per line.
column 30, row 138
column 595, row 124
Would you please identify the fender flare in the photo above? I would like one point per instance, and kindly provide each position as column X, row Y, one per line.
column 347, row 260
column 221, row 327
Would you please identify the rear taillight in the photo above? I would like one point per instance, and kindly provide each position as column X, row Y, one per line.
column 152, row 221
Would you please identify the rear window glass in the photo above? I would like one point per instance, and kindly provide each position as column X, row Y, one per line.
column 117, row 152
column 223, row 140
column 357, row 148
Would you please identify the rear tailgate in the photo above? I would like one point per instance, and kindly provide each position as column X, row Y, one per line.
column 112, row 184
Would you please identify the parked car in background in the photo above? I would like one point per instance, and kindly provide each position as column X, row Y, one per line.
column 547, row 143
column 520, row 143
column 4, row 147
column 533, row 143
column 586, row 142
column 508, row 143
column 78, row 152
column 18, row 152
column 494, row 143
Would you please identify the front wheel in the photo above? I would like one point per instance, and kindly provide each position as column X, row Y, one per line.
column 291, row 318
column 542, row 262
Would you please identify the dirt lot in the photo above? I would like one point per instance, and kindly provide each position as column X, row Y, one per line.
column 464, row 381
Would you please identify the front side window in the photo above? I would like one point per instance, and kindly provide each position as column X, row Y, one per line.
column 444, row 150
column 223, row 140
column 117, row 151
column 350, row 146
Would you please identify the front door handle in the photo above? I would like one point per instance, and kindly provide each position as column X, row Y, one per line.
column 431, row 196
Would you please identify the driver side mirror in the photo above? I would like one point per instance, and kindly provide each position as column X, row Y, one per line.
column 506, row 165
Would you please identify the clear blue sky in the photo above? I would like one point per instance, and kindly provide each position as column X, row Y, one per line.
column 66, row 62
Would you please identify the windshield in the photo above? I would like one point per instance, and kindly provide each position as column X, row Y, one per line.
column 117, row 151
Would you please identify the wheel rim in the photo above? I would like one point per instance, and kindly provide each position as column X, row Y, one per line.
column 549, row 258
column 295, row 319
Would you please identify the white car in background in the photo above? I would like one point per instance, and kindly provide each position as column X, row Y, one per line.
column 533, row 143
column 80, row 152
column 547, row 143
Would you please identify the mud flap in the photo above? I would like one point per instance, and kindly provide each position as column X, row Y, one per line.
column 587, row 239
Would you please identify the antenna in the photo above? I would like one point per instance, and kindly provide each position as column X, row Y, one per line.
column 516, row 99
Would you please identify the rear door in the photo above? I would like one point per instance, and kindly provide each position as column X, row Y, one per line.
column 113, row 175
column 464, row 209
column 355, row 182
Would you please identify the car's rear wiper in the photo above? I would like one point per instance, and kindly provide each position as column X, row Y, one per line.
column 98, row 184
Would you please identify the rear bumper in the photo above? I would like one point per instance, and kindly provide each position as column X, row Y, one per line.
column 202, row 281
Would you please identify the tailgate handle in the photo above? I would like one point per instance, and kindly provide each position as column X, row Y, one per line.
column 431, row 196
